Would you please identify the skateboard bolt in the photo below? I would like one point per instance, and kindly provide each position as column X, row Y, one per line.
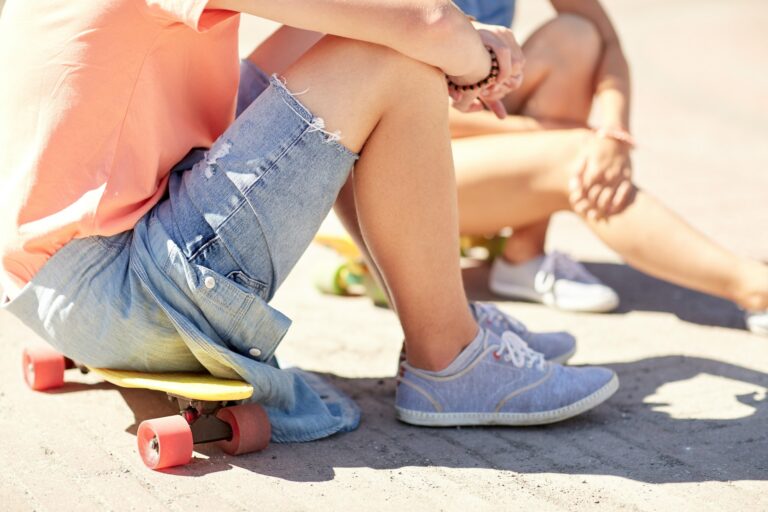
column 154, row 445
column 190, row 415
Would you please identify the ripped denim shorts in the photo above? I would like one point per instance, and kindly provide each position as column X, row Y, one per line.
column 188, row 288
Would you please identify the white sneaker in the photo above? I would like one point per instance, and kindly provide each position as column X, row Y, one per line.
column 757, row 322
column 555, row 280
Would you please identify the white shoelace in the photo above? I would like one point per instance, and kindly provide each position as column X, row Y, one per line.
column 558, row 265
column 498, row 319
column 516, row 351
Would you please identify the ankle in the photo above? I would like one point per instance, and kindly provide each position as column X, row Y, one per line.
column 520, row 249
column 438, row 355
column 751, row 292
column 431, row 362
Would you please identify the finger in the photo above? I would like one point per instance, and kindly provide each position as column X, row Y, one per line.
column 497, row 107
column 467, row 98
column 623, row 196
column 517, row 57
column 492, row 93
column 515, row 82
column 575, row 196
column 592, row 175
column 576, row 182
column 593, row 193
column 581, row 206
column 604, row 201
column 476, row 106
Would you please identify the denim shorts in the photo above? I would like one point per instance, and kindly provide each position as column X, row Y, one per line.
column 188, row 288
column 493, row 12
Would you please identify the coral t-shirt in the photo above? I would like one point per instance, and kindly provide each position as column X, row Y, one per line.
column 98, row 101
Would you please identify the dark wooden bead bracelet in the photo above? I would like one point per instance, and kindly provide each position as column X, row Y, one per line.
column 482, row 83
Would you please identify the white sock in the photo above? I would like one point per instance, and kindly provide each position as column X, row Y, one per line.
column 465, row 357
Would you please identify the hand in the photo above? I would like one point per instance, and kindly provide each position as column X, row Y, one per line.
column 510, row 77
column 603, row 185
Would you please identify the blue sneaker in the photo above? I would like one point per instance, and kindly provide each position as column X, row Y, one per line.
column 557, row 347
column 500, row 381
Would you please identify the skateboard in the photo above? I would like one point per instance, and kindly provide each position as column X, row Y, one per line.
column 482, row 247
column 348, row 275
column 208, row 409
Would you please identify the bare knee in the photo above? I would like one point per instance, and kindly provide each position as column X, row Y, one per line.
column 388, row 68
column 576, row 41
column 573, row 158
column 353, row 84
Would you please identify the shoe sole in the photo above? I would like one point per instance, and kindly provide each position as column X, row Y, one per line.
column 519, row 292
column 510, row 419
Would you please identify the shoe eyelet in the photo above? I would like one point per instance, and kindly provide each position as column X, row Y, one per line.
column 496, row 356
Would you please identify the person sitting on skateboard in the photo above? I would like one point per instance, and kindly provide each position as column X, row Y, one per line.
column 149, row 220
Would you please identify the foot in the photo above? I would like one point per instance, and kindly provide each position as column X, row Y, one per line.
column 556, row 347
column 757, row 322
column 500, row 381
column 555, row 280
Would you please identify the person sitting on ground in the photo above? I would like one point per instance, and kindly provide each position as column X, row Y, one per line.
column 543, row 158
column 126, row 245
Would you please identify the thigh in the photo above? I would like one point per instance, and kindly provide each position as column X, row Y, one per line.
column 518, row 186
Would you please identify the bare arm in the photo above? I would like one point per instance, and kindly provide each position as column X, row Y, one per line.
column 431, row 31
column 612, row 80
column 282, row 48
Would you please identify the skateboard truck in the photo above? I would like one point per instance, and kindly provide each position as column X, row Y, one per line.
column 202, row 420
column 209, row 408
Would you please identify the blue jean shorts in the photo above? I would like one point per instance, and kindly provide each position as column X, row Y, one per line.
column 188, row 288
column 493, row 12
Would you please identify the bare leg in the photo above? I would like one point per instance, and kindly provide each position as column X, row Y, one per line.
column 346, row 210
column 534, row 184
column 403, row 182
column 557, row 93
column 526, row 242
column 563, row 55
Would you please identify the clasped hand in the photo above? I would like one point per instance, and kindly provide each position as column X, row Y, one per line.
column 510, row 77
column 603, row 184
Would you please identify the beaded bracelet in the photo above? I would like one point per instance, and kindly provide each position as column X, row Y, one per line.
column 482, row 83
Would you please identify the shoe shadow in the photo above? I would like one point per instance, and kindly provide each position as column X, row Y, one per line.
column 638, row 292
column 633, row 435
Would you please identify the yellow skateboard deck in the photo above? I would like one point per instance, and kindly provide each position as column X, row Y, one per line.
column 192, row 386
column 341, row 244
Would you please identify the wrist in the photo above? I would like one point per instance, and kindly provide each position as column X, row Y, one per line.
column 616, row 134
column 490, row 70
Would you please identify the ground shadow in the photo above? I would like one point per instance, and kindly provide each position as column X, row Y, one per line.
column 638, row 292
column 625, row 437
